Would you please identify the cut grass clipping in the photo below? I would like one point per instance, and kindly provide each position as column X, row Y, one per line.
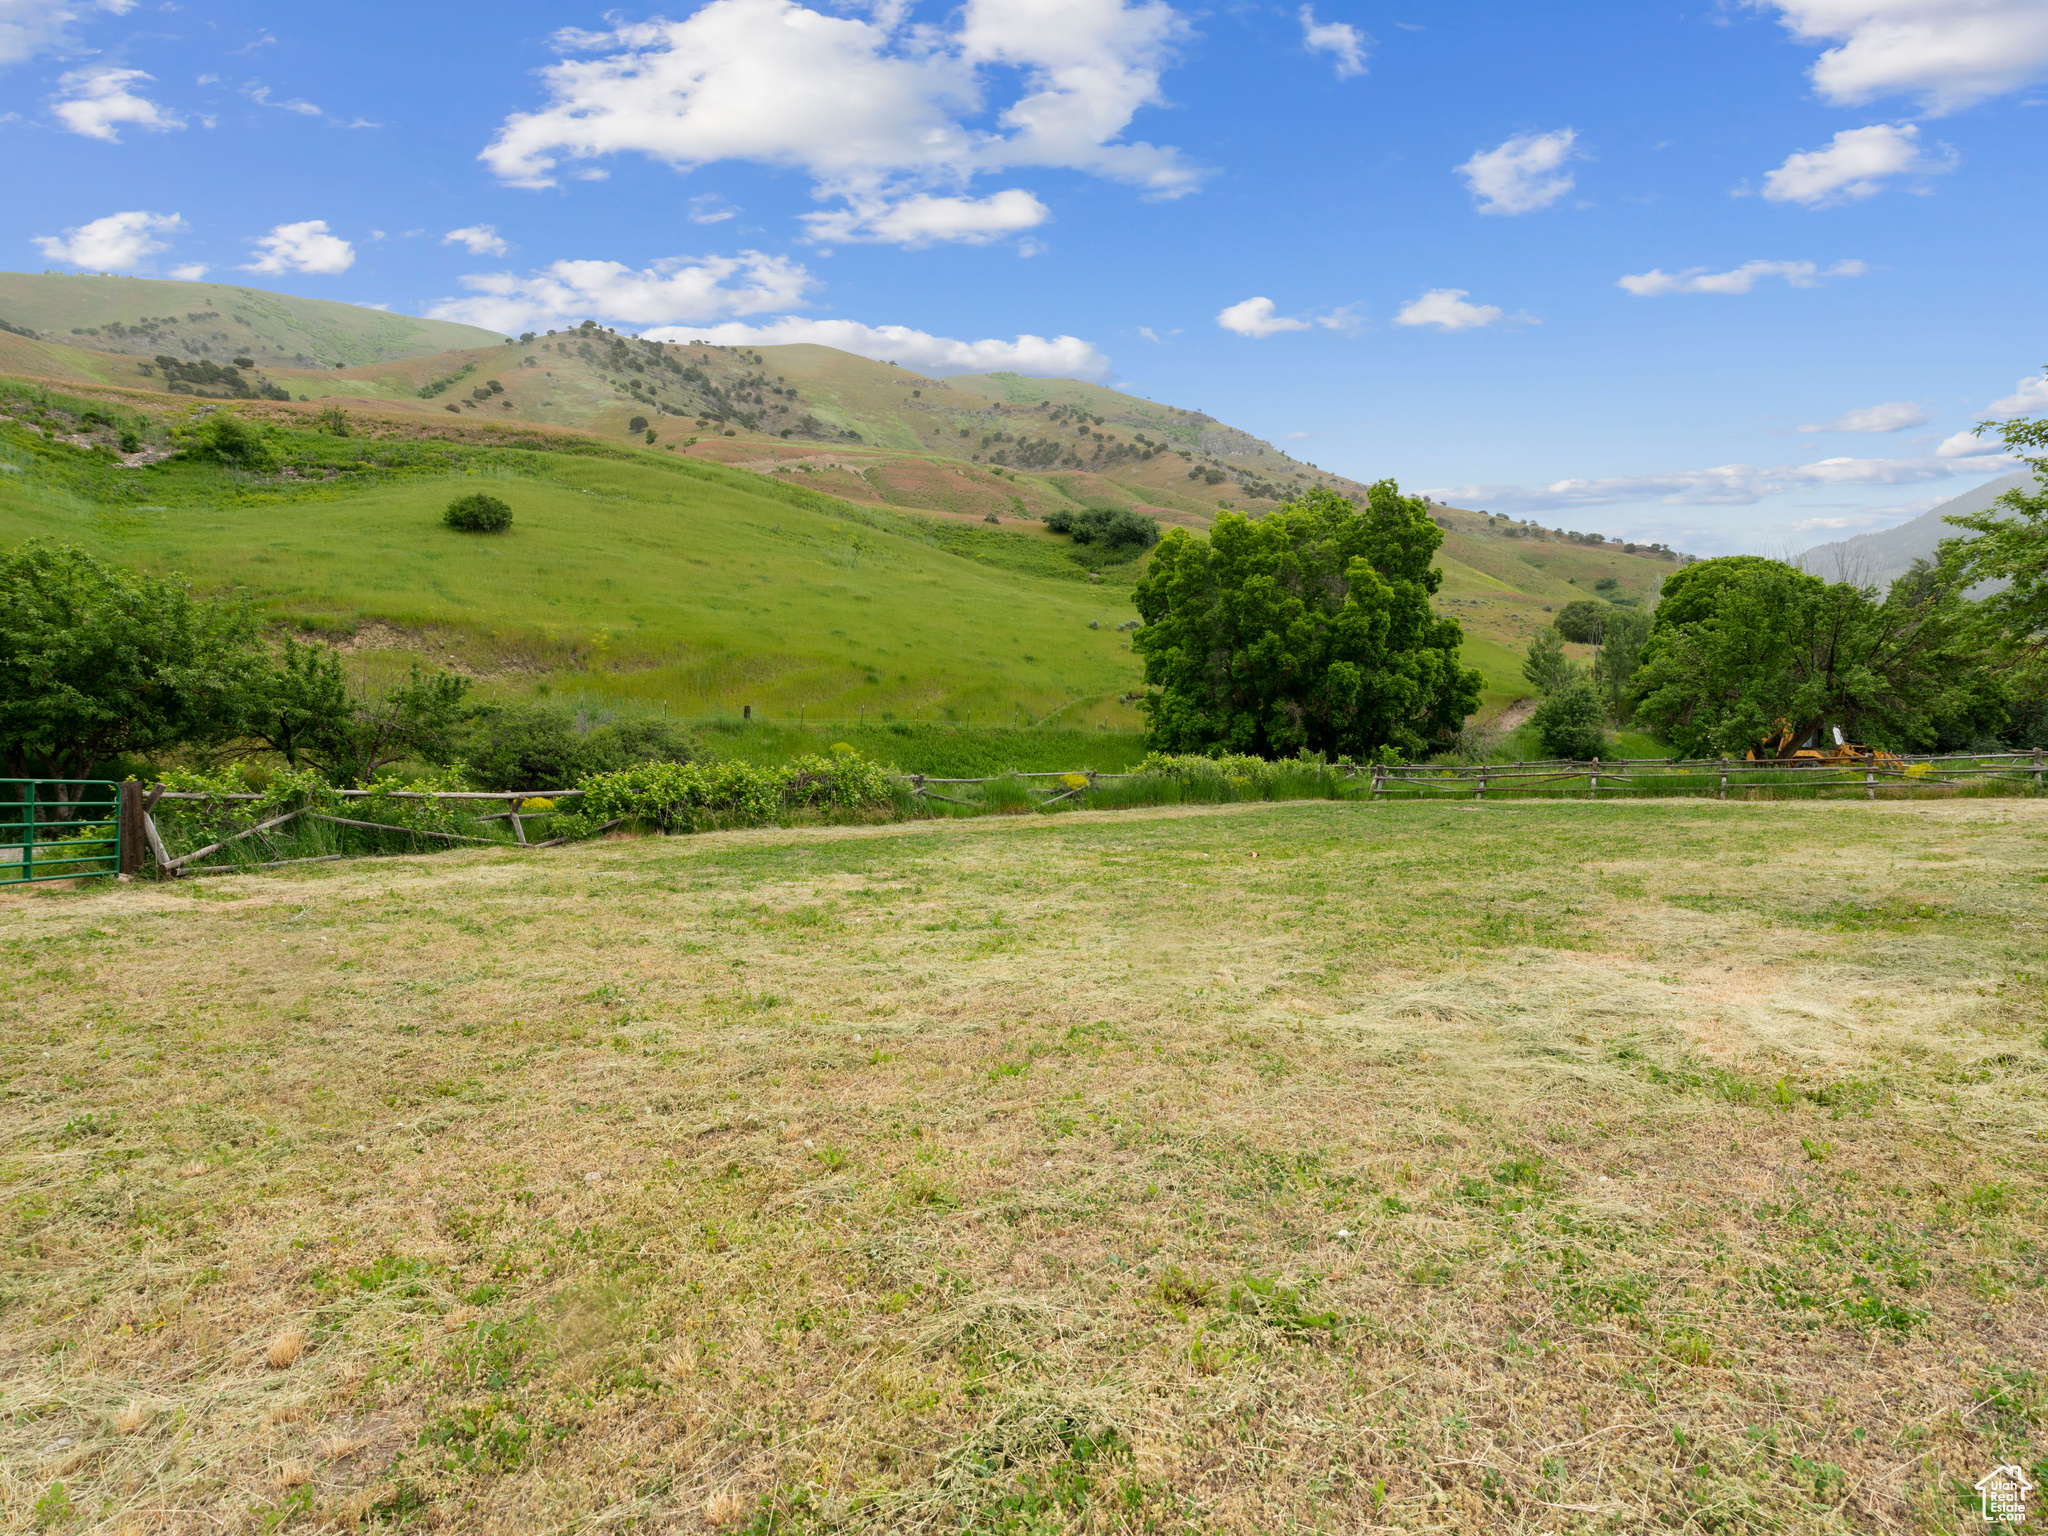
column 1303, row 1167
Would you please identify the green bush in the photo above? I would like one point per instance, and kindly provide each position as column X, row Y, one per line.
column 1120, row 532
column 1571, row 722
column 689, row 796
column 543, row 746
column 227, row 439
column 1581, row 621
column 479, row 512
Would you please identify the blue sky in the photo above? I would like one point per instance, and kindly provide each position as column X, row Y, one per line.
column 1735, row 275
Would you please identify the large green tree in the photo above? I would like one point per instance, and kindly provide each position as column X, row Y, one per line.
column 98, row 663
column 1309, row 629
column 1775, row 648
column 300, row 706
column 2011, row 544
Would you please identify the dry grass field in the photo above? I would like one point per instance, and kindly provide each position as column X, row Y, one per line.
column 1275, row 1168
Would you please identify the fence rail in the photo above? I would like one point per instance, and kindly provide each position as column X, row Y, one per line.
column 67, row 829
column 516, row 813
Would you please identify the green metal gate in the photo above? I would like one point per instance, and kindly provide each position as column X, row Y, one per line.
column 59, row 829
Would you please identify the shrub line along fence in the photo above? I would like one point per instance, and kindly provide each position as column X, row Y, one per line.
column 95, row 827
column 139, row 806
column 1870, row 771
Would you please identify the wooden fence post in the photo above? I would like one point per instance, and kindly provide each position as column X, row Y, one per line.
column 1379, row 773
column 132, row 836
column 1482, row 783
column 1596, row 778
column 512, row 804
column 1724, row 778
column 2037, row 770
column 1870, row 775
column 157, row 851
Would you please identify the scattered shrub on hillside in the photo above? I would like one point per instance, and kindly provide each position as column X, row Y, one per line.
column 479, row 512
column 332, row 420
column 1116, row 530
column 1572, row 722
column 1581, row 622
column 227, row 439
column 637, row 424
column 650, row 434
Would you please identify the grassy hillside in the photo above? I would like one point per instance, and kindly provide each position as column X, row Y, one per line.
column 640, row 577
column 139, row 316
column 964, row 467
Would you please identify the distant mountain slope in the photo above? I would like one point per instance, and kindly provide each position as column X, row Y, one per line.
column 1875, row 559
column 141, row 316
column 996, row 449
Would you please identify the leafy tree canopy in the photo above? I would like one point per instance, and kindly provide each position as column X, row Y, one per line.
column 1688, row 593
column 97, row 662
column 1572, row 722
column 1580, row 622
column 1309, row 629
column 1623, row 634
column 301, row 706
column 1546, row 667
column 1777, row 645
column 2011, row 544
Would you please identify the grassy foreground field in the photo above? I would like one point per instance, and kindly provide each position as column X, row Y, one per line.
column 1289, row 1168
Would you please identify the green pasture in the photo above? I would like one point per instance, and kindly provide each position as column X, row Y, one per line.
column 630, row 577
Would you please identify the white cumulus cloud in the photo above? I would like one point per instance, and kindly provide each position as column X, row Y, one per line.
column 190, row 272
column 1856, row 164
column 303, row 247
column 120, row 242
column 1961, row 445
column 96, row 102
column 1446, row 309
column 1523, row 174
column 1727, row 485
column 2028, row 396
column 477, row 239
column 1892, row 416
column 29, row 28
column 871, row 108
column 1343, row 42
column 1260, row 317
column 921, row 219
column 1800, row 274
column 677, row 291
column 1055, row 357
column 1948, row 53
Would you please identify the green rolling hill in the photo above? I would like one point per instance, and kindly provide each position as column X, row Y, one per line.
column 140, row 317
column 807, row 531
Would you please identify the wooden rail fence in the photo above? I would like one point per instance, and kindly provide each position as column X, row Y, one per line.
column 138, row 808
column 1591, row 778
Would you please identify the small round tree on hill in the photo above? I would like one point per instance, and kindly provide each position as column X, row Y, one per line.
column 478, row 513
column 1582, row 621
column 637, row 424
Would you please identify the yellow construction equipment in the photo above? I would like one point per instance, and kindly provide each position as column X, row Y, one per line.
column 1814, row 752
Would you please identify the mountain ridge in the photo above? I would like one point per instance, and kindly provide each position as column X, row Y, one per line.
column 997, row 449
